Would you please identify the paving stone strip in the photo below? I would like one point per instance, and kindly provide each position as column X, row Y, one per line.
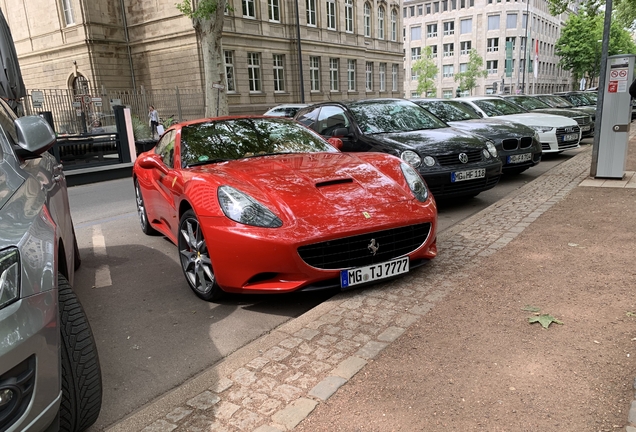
column 277, row 381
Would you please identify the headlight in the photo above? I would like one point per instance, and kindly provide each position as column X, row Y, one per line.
column 244, row 209
column 491, row 148
column 412, row 158
column 485, row 153
column 9, row 276
column 542, row 129
column 415, row 182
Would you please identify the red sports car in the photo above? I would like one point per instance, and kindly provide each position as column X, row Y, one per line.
column 265, row 205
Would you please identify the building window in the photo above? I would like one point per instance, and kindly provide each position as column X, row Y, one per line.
column 311, row 12
column 431, row 30
column 416, row 53
column 314, row 73
column 447, row 94
column 420, row 10
column 524, row 20
column 511, row 21
column 414, row 75
column 81, row 85
column 381, row 22
column 334, row 75
column 367, row 20
column 68, row 12
column 273, row 8
column 491, row 66
column 254, row 71
column 466, row 26
column 349, row 16
column 412, row 9
column 449, row 28
column 382, row 77
column 449, row 49
column 249, row 10
column 493, row 45
column 279, row 72
column 393, row 25
column 394, row 77
column 464, row 47
column 368, row 81
column 416, row 33
column 433, row 51
column 511, row 39
column 428, row 8
column 229, row 71
column 351, row 75
column 448, row 71
column 493, row 22
column 463, row 67
column 415, row 95
column 331, row 14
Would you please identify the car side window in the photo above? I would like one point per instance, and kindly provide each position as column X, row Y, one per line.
column 330, row 119
column 7, row 118
column 308, row 118
column 165, row 148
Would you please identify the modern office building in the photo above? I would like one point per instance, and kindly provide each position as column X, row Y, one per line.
column 348, row 49
column 451, row 28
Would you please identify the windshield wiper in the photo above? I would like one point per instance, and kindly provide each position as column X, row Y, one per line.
column 209, row 161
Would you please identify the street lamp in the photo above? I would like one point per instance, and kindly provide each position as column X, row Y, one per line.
column 458, row 92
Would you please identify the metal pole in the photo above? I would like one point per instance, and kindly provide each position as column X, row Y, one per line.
column 601, row 86
column 300, row 57
column 525, row 49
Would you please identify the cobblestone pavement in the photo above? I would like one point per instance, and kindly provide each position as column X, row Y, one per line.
column 275, row 382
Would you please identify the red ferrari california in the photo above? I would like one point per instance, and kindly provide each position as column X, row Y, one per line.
column 265, row 205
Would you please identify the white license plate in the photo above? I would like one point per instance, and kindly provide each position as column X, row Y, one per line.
column 458, row 176
column 585, row 128
column 570, row 137
column 518, row 158
column 375, row 272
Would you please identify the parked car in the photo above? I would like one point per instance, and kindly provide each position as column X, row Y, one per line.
column 453, row 163
column 518, row 146
column 558, row 102
column 50, row 375
column 286, row 110
column 579, row 98
column 557, row 133
column 529, row 103
column 264, row 205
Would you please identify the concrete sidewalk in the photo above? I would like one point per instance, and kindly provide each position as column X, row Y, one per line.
column 274, row 383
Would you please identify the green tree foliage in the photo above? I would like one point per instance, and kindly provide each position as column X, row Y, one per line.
column 474, row 69
column 426, row 70
column 580, row 48
column 625, row 12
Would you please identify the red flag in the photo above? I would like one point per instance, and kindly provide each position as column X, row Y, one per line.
column 536, row 59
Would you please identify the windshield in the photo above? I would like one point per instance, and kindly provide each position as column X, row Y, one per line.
column 224, row 140
column 393, row 115
column 555, row 101
column 498, row 107
column 528, row 103
column 449, row 110
column 578, row 100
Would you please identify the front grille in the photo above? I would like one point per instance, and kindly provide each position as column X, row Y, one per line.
column 453, row 159
column 21, row 380
column 583, row 120
column 561, row 132
column 465, row 188
column 514, row 143
column 354, row 251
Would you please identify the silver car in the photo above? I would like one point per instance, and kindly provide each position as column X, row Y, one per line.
column 50, row 377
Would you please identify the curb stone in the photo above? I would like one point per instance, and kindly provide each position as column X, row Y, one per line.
column 275, row 382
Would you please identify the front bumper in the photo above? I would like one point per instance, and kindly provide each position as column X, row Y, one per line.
column 440, row 184
column 553, row 141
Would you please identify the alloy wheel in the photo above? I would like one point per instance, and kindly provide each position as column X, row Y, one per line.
column 195, row 260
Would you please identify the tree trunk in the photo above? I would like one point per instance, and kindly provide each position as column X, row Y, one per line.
column 209, row 32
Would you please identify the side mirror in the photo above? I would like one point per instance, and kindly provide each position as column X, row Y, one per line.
column 340, row 132
column 35, row 136
column 152, row 161
column 336, row 142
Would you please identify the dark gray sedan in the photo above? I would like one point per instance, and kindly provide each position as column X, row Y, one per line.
column 518, row 146
column 453, row 163
column 50, row 376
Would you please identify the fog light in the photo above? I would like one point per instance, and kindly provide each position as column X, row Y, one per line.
column 6, row 395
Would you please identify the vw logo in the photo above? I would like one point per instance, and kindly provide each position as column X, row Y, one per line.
column 463, row 158
column 373, row 246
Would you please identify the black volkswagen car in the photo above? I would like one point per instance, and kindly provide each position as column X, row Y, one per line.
column 453, row 163
column 518, row 146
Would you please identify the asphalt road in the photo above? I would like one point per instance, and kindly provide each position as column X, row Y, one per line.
column 152, row 332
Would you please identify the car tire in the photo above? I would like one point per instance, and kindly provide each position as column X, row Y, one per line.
column 195, row 259
column 142, row 212
column 81, row 372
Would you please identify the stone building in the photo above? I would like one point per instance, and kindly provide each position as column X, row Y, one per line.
column 350, row 49
column 453, row 27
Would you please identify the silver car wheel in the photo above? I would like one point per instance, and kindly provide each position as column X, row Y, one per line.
column 195, row 261
column 141, row 209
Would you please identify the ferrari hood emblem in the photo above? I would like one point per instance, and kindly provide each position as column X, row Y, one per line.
column 373, row 246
